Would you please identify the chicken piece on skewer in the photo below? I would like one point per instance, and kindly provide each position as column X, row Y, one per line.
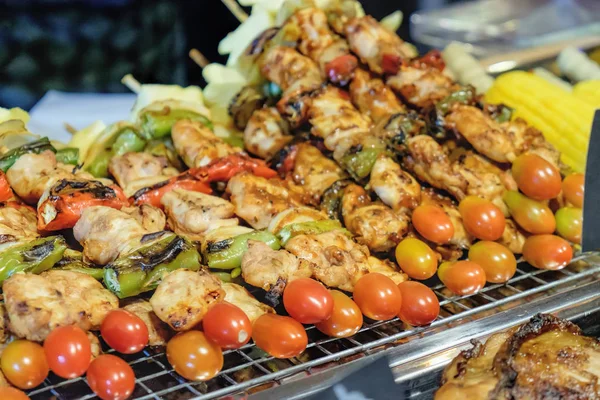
column 105, row 233
column 239, row 296
column 376, row 46
column 373, row 97
column 152, row 219
column 134, row 171
column 394, row 186
column 312, row 171
column 192, row 214
column 310, row 29
column 336, row 260
column 158, row 332
column 198, row 145
column 266, row 133
column 257, row 200
column 421, row 87
column 183, row 297
column 374, row 224
column 37, row 304
column 387, row 268
column 272, row 269
column 17, row 223
column 461, row 238
column 95, row 346
column 513, row 237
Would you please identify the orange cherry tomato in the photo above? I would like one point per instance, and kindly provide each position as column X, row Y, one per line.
column 569, row 223
column 533, row 216
column 482, row 218
column 433, row 223
column 281, row 337
column 111, row 378
column 194, row 356
column 124, row 331
column 547, row 252
column 10, row 393
column 227, row 325
column 68, row 351
column 573, row 189
column 536, row 177
column 24, row 364
column 420, row 306
column 377, row 296
column 307, row 301
column 462, row 277
column 346, row 318
column 498, row 262
column 416, row 259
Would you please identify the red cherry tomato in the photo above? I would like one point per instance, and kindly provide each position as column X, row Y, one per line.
column 227, row 325
column 346, row 318
column 10, row 393
column 110, row 378
column 194, row 356
column 416, row 259
column 377, row 296
column 547, row 252
column 307, row 301
column 281, row 337
column 536, row 177
column 420, row 306
column 482, row 218
column 573, row 189
column 68, row 351
column 533, row 216
column 433, row 223
column 24, row 364
column 569, row 223
column 125, row 332
column 498, row 262
column 462, row 277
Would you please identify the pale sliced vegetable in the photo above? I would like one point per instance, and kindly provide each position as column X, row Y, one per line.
column 86, row 137
column 7, row 114
column 577, row 66
column 190, row 97
column 236, row 42
column 550, row 77
column 13, row 133
column 466, row 68
column 393, row 21
column 223, row 84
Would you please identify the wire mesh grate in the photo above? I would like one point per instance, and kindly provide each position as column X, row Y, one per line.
column 249, row 369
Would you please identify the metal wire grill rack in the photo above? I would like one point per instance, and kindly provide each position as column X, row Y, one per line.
column 248, row 369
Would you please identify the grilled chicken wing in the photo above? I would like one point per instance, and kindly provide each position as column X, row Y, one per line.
column 198, row 145
column 134, row 171
column 374, row 224
column 183, row 297
column 266, row 133
column 86, row 292
column 239, row 296
column 152, row 219
column 336, row 260
column 192, row 213
column 272, row 269
column 394, row 186
column 36, row 304
column 421, row 87
column 158, row 332
column 373, row 97
column 376, row 46
column 105, row 233
column 314, row 172
column 257, row 200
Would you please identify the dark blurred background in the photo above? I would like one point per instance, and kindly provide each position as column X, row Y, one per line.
column 88, row 45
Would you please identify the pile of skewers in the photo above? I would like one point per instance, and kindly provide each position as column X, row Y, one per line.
column 357, row 167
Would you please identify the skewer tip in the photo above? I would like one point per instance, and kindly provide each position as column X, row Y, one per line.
column 198, row 58
column 236, row 10
column 132, row 83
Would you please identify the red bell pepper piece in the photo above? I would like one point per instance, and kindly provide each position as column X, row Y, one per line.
column 223, row 169
column 68, row 198
column 6, row 192
column 153, row 194
column 390, row 63
column 340, row 69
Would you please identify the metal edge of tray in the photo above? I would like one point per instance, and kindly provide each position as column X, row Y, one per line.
column 431, row 353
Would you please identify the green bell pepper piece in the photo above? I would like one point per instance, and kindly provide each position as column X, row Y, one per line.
column 309, row 228
column 38, row 146
column 99, row 167
column 143, row 269
column 464, row 95
column 68, row 155
column 359, row 164
column 123, row 141
column 72, row 260
column 127, row 141
column 227, row 254
column 158, row 124
column 223, row 276
column 34, row 257
column 234, row 140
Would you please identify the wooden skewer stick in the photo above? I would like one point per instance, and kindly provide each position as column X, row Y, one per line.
column 70, row 128
column 235, row 9
column 198, row 58
column 132, row 83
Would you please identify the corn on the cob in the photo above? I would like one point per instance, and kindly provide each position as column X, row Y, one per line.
column 564, row 119
column 588, row 91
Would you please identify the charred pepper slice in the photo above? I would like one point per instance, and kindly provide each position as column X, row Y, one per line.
column 34, row 257
column 153, row 194
column 72, row 260
column 158, row 124
column 227, row 254
column 309, row 228
column 143, row 269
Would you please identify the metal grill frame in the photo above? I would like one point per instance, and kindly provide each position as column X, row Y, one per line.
column 156, row 379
